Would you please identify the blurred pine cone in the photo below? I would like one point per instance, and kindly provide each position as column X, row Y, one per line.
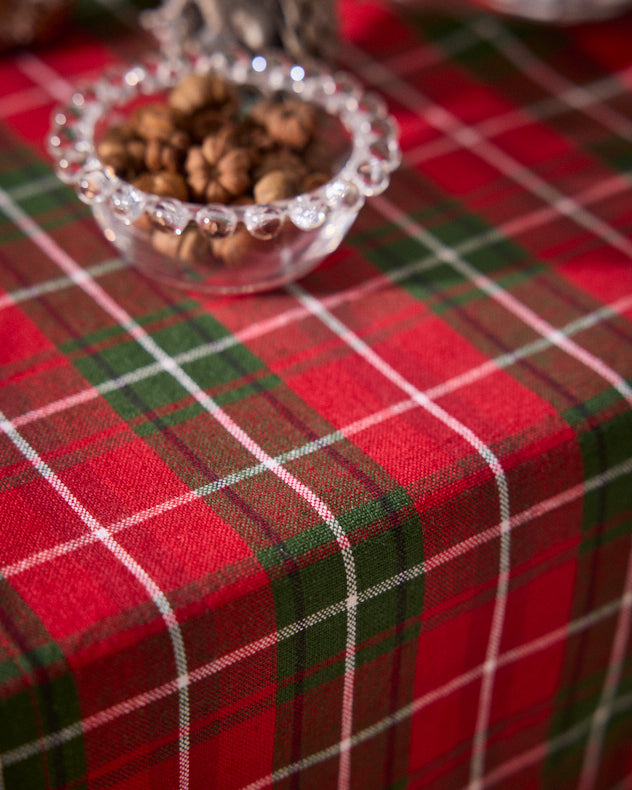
column 302, row 28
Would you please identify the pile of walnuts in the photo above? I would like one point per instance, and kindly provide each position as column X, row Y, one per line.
column 197, row 146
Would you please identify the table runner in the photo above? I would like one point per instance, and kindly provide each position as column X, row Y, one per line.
column 372, row 530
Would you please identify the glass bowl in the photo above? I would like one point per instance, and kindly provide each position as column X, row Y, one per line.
column 221, row 248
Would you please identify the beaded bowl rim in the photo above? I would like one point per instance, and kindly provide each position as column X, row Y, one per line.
column 373, row 137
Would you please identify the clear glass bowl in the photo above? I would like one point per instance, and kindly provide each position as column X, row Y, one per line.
column 270, row 244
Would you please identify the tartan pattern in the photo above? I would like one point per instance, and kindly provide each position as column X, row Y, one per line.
column 370, row 531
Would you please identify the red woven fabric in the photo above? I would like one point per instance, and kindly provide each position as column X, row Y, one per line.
column 369, row 531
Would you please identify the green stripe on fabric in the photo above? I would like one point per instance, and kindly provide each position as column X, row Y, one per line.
column 592, row 406
column 386, row 539
column 49, row 206
column 615, row 151
column 39, row 698
column 147, row 320
column 114, row 361
column 119, row 355
column 42, row 655
column 499, row 258
column 313, row 660
column 607, row 445
column 428, row 24
column 30, row 169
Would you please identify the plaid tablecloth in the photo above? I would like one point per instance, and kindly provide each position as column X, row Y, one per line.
column 370, row 531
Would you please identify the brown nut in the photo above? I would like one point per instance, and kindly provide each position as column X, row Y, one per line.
column 318, row 156
column 197, row 91
column 291, row 122
column 206, row 121
column 276, row 185
column 167, row 155
column 121, row 150
column 166, row 243
column 218, row 172
column 164, row 184
column 153, row 121
column 235, row 249
column 314, row 180
column 190, row 246
column 194, row 247
column 280, row 159
column 251, row 134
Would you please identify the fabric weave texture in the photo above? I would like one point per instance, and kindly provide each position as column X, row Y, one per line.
column 372, row 530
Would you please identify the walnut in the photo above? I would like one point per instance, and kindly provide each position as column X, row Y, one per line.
column 290, row 121
column 121, row 150
column 153, row 121
column 165, row 243
column 190, row 246
column 252, row 134
column 276, row 185
column 318, row 156
column 314, row 180
column 194, row 247
column 204, row 122
column 164, row 184
column 199, row 91
column 234, row 249
column 280, row 159
column 198, row 148
column 217, row 171
column 167, row 154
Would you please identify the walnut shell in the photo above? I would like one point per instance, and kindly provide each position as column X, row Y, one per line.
column 198, row 91
column 276, row 185
column 314, row 180
column 234, row 249
column 154, row 121
column 164, row 184
column 291, row 122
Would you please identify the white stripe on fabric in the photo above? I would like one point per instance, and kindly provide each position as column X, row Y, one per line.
column 544, row 109
column 429, row 54
column 504, row 559
column 451, row 385
column 153, row 590
column 134, row 330
column 261, row 328
column 57, row 284
column 554, row 336
column 35, row 187
column 23, row 101
column 605, row 707
column 508, row 769
column 547, row 748
column 569, row 207
column 446, row 122
column 41, row 74
column 467, row 137
column 577, row 97
column 602, row 190
column 566, row 92
column 82, row 278
column 541, row 643
column 504, row 298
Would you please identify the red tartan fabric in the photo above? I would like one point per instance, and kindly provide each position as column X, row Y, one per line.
column 372, row 530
